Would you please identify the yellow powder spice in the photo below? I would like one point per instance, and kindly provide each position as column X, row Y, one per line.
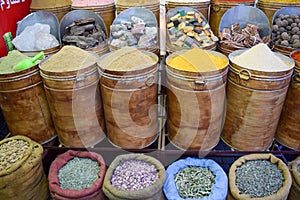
column 127, row 59
column 9, row 61
column 69, row 58
column 197, row 60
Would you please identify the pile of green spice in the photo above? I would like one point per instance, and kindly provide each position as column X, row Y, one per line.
column 259, row 178
column 134, row 175
column 9, row 61
column 194, row 182
column 11, row 152
column 78, row 173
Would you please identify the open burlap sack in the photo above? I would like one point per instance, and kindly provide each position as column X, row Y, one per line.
column 281, row 194
column 93, row 193
column 295, row 189
column 153, row 192
column 26, row 178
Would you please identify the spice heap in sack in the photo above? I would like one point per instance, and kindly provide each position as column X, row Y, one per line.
column 189, row 61
column 84, row 33
column 262, row 176
column 286, row 31
column 294, row 167
column 189, row 30
column 77, row 175
column 194, row 178
column 35, row 38
column 21, row 162
column 136, row 33
column 237, row 37
column 134, row 176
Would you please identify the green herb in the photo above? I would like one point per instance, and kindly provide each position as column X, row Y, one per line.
column 194, row 182
column 78, row 173
column 259, row 178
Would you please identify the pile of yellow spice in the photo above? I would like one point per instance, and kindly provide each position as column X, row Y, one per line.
column 197, row 60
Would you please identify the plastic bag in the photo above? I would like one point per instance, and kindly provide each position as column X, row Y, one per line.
column 219, row 189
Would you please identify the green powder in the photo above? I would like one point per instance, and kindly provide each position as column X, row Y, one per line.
column 8, row 62
column 127, row 59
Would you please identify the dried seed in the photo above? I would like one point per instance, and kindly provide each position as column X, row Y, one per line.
column 11, row 152
column 134, row 175
column 78, row 173
column 259, row 178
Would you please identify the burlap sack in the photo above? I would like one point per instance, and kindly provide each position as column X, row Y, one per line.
column 282, row 193
column 93, row 193
column 26, row 178
column 153, row 192
column 295, row 189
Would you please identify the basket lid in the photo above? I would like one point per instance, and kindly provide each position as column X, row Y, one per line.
column 244, row 15
column 42, row 17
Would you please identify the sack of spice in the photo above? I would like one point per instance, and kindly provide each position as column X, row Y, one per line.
column 134, row 176
column 294, row 167
column 259, row 176
column 21, row 162
column 77, row 175
column 194, row 178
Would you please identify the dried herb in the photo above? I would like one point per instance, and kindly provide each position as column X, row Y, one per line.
column 194, row 182
column 134, row 175
column 259, row 178
column 11, row 152
column 78, row 173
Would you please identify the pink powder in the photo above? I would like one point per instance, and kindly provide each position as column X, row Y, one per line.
column 83, row 3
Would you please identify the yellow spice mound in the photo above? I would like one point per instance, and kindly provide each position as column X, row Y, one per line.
column 197, row 60
column 69, row 58
column 126, row 59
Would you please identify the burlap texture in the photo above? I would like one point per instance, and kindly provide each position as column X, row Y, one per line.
column 26, row 178
column 295, row 189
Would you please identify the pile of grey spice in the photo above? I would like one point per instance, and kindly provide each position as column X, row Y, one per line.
column 259, row 178
column 194, row 182
column 11, row 152
column 133, row 175
column 78, row 173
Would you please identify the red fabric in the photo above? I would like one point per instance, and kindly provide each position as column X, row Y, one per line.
column 10, row 14
column 94, row 192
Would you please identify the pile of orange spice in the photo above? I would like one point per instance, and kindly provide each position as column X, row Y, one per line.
column 296, row 55
column 197, row 60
